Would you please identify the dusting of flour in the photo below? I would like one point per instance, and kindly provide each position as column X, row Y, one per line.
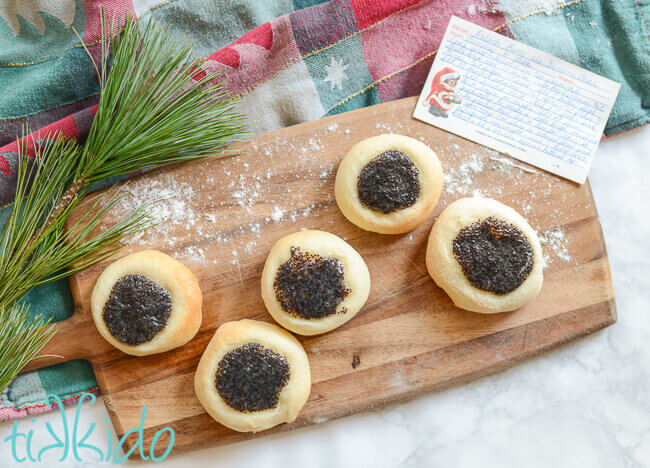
column 235, row 202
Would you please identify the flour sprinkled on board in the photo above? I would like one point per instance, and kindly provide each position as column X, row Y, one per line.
column 237, row 202
column 277, row 214
column 319, row 420
column 397, row 378
column 555, row 244
column 168, row 201
column 194, row 254
column 460, row 179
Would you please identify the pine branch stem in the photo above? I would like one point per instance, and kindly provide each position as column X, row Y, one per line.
column 66, row 199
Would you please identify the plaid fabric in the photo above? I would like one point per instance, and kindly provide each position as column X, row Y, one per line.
column 290, row 62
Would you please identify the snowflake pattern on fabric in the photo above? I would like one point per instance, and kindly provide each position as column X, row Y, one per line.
column 336, row 73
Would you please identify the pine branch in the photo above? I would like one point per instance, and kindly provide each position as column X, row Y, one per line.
column 153, row 110
column 35, row 244
column 21, row 338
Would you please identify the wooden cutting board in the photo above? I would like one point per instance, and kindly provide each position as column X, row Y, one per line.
column 221, row 217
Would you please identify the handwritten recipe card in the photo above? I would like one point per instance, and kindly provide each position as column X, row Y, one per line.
column 516, row 99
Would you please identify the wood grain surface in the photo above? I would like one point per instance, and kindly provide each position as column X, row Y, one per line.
column 408, row 339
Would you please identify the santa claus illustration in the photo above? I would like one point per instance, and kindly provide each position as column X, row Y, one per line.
column 442, row 95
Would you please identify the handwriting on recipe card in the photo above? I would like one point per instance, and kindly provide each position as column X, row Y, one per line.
column 517, row 100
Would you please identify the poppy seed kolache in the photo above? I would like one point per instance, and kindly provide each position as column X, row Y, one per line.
column 388, row 183
column 253, row 376
column 313, row 282
column 485, row 256
column 147, row 303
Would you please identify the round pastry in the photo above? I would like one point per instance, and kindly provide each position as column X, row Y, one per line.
column 388, row 183
column 253, row 376
column 485, row 256
column 147, row 303
column 313, row 282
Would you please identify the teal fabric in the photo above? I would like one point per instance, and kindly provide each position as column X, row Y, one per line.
column 52, row 300
column 607, row 37
column 68, row 81
column 369, row 98
column 628, row 26
column 300, row 4
column 216, row 24
column 68, row 379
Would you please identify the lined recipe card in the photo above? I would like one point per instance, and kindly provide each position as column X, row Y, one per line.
column 517, row 100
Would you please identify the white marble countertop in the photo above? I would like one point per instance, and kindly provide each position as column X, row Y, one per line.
column 585, row 404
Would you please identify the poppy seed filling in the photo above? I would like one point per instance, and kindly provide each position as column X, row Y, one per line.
column 389, row 182
column 251, row 377
column 495, row 255
column 309, row 286
column 137, row 309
